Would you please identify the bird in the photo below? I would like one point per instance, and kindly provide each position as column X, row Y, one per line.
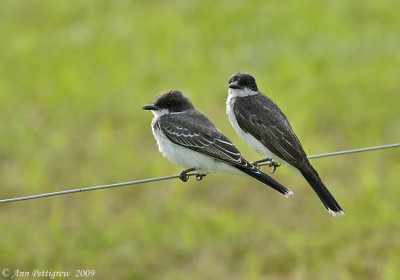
column 190, row 140
column 266, row 129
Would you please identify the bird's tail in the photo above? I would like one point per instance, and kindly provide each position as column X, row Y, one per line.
column 264, row 178
column 326, row 197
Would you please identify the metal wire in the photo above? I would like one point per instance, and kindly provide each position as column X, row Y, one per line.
column 178, row 176
column 356, row 151
column 91, row 188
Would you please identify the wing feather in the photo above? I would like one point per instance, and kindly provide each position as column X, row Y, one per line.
column 195, row 131
column 269, row 126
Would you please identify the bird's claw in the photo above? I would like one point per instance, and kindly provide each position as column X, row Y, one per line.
column 269, row 162
column 199, row 177
column 274, row 166
column 184, row 177
column 184, row 174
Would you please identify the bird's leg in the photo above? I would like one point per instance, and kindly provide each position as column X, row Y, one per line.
column 199, row 177
column 269, row 161
column 257, row 162
column 274, row 165
column 183, row 175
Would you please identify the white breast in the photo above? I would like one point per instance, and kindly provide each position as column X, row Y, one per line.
column 187, row 158
column 248, row 138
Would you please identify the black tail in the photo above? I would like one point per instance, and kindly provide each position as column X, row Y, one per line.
column 326, row 197
column 264, row 178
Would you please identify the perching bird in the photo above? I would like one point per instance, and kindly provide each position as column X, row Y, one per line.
column 189, row 139
column 264, row 127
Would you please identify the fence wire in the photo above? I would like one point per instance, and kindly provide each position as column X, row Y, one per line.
column 85, row 189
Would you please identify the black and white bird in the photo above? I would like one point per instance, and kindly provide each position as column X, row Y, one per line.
column 264, row 127
column 190, row 140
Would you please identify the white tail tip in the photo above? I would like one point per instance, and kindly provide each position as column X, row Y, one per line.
column 288, row 193
column 340, row 213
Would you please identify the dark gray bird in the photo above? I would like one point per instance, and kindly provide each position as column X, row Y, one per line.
column 264, row 127
column 189, row 139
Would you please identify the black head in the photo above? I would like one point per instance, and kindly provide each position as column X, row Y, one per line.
column 242, row 81
column 171, row 100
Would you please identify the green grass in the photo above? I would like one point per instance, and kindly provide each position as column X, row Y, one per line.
column 74, row 75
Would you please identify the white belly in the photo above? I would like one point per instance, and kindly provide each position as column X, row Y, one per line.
column 248, row 138
column 187, row 158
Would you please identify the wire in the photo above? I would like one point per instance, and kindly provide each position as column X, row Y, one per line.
column 91, row 188
column 356, row 151
column 178, row 176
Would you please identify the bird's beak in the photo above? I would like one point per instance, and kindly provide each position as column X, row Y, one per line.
column 234, row 85
column 150, row 107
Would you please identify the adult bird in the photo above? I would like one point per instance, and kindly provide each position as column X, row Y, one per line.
column 265, row 128
column 190, row 140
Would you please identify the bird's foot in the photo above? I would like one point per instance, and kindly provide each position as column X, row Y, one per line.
column 199, row 177
column 184, row 174
column 269, row 162
column 274, row 165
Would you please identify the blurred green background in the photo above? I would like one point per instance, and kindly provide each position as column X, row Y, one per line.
column 74, row 75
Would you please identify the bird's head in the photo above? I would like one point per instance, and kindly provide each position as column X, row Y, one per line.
column 170, row 101
column 243, row 81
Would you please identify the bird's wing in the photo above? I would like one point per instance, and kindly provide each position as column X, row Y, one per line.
column 261, row 117
column 195, row 131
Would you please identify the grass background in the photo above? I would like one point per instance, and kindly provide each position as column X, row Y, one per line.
column 74, row 75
